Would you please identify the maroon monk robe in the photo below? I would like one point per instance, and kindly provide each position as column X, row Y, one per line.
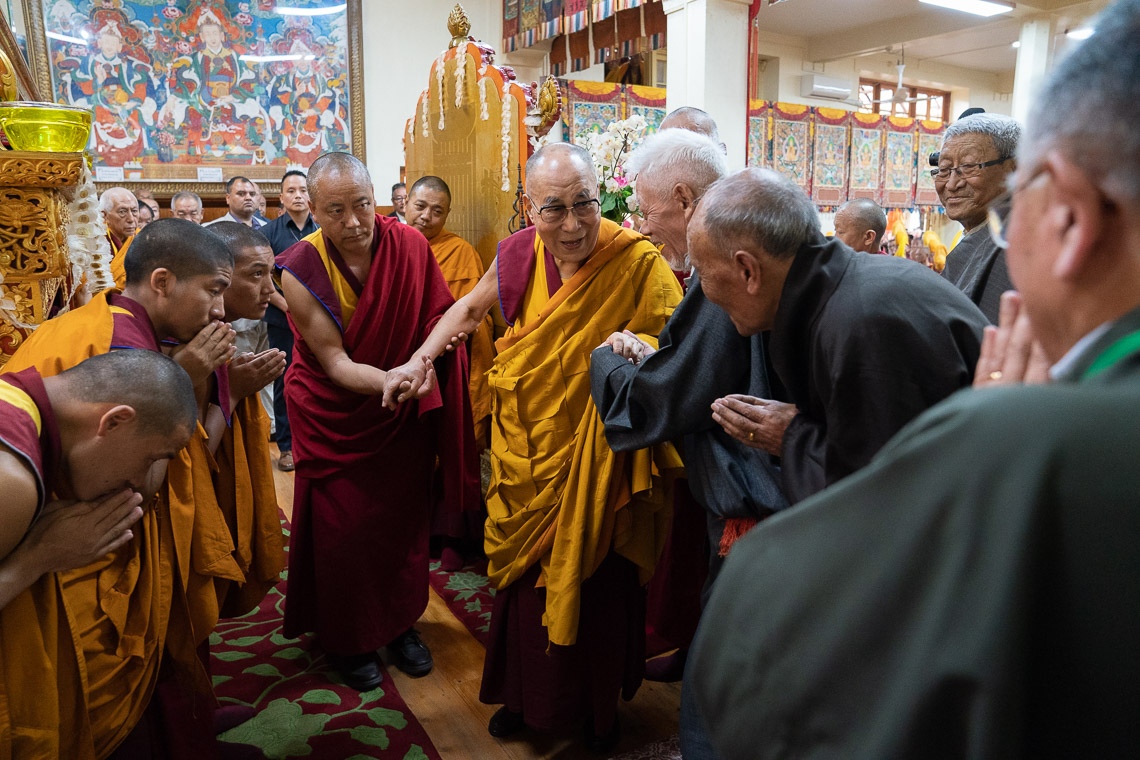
column 358, row 558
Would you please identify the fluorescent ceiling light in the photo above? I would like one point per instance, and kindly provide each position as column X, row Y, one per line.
column 65, row 38
column 1079, row 34
column 270, row 58
column 977, row 7
column 284, row 11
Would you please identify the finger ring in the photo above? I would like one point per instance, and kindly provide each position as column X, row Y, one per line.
column 752, row 436
column 995, row 375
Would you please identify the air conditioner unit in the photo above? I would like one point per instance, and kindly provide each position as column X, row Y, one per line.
column 819, row 86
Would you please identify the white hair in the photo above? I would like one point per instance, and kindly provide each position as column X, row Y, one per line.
column 111, row 194
column 1003, row 130
column 674, row 156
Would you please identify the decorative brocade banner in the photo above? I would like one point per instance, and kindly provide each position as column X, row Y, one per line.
column 575, row 15
column 791, row 142
column 603, row 9
column 829, row 156
column 866, row 157
column 929, row 141
column 592, row 106
column 899, row 159
column 550, row 21
column 510, row 24
column 759, row 133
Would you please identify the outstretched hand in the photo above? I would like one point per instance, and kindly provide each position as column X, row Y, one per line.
column 211, row 348
column 629, row 346
column 1010, row 354
column 74, row 534
column 415, row 379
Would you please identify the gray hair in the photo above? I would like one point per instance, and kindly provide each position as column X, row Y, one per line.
column 186, row 195
column 1003, row 130
column 111, row 194
column 758, row 207
column 678, row 156
column 1090, row 105
column 337, row 164
column 576, row 153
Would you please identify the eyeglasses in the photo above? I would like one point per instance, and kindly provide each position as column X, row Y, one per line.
column 555, row 213
column 965, row 171
column 997, row 215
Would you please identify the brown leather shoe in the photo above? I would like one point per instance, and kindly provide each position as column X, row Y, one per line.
column 285, row 463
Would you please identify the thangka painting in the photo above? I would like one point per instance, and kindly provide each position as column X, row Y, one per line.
column 648, row 103
column 898, row 162
column 929, row 141
column 829, row 156
column 791, row 142
column 866, row 157
column 758, row 114
column 198, row 90
column 593, row 106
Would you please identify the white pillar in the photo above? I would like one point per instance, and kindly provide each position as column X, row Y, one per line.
column 708, row 65
column 1032, row 63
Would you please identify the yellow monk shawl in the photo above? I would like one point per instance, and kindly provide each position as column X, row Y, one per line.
column 248, row 498
column 158, row 590
column 118, row 269
column 559, row 495
column 462, row 269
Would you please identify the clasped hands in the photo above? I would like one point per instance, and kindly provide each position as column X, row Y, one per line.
column 415, row 378
column 756, row 422
column 1010, row 354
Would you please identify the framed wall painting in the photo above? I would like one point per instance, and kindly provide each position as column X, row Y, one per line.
column 187, row 93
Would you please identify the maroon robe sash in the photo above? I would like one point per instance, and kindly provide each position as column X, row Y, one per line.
column 363, row 482
column 514, row 265
column 41, row 452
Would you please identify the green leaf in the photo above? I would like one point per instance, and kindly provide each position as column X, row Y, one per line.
column 233, row 656
column 415, row 752
column 382, row 716
column 245, row 641
column 264, row 669
column 215, row 639
column 290, row 653
column 279, row 640
column 474, row 605
column 321, row 697
column 220, row 680
column 280, row 729
column 371, row 696
column 375, row 737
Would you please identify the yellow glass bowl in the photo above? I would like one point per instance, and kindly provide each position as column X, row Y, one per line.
column 45, row 126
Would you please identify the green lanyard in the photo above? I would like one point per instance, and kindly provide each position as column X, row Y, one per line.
column 1119, row 350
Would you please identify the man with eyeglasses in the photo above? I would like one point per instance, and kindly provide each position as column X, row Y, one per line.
column 573, row 529
column 120, row 211
column 975, row 591
column 976, row 159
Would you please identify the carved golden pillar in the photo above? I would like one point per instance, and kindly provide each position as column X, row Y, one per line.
column 35, row 189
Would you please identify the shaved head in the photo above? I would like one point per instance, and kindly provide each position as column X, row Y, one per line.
column 435, row 184
column 336, row 166
column 559, row 158
column 693, row 120
column 181, row 246
column 860, row 223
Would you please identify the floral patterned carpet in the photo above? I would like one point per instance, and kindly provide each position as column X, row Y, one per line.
column 468, row 594
column 304, row 709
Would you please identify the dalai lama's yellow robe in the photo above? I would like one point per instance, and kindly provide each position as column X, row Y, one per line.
column 559, row 495
column 462, row 269
column 155, row 592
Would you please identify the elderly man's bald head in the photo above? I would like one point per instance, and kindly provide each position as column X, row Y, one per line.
column 559, row 158
column 693, row 120
column 860, row 223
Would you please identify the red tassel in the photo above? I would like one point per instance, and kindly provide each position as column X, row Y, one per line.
column 734, row 530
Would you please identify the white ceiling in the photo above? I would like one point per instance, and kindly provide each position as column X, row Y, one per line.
column 834, row 29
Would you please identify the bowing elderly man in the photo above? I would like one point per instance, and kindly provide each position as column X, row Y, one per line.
column 974, row 591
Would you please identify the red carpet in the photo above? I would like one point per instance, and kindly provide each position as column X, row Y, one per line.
column 468, row 595
column 301, row 712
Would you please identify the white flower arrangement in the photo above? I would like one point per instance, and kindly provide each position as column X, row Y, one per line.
column 460, row 74
column 483, row 114
column 440, row 68
column 609, row 148
column 424, row 114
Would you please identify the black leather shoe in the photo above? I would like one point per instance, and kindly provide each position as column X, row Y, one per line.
column 410, row 654
column 602, row 745
column 360, row 671
column 505, row 722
